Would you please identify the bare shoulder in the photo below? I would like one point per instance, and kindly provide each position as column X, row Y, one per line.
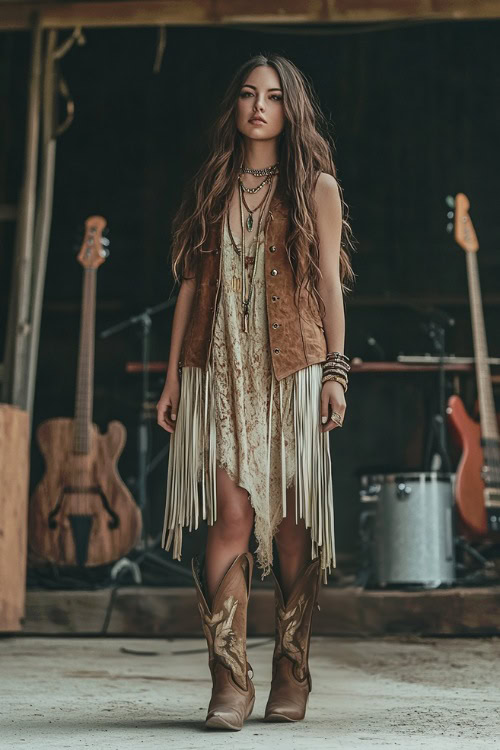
column 327, row 198
column 327, row 189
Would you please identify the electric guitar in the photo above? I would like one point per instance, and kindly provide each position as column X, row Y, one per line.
column 81, row 513
column 478, row 471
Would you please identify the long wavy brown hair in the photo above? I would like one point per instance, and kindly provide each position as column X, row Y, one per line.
column 305, row 149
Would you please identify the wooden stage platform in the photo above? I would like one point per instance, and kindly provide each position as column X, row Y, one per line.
column 142, row 611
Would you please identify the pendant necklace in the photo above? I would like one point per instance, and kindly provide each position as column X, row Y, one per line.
column 245, row 300
column 248, row 258
column 249, row 221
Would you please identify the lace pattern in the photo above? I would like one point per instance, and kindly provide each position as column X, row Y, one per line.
column 242, row 373
column 264, row 433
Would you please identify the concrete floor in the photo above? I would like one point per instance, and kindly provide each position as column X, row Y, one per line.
column 367, row 693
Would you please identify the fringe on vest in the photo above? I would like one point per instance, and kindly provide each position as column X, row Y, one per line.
column 195, row 436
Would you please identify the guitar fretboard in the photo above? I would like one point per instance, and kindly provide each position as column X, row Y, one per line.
column 85, row 375
column 489, row 428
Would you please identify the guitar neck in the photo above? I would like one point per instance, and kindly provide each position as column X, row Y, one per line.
column 489, row 428
column 85, row 373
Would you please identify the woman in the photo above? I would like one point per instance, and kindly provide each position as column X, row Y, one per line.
column 257, row 342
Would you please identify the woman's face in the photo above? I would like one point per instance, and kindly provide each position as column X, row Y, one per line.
column 261, row 96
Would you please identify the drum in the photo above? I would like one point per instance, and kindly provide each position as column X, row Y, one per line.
column 412, row 530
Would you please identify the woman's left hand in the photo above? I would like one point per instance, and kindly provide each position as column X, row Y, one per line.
column 332, row 400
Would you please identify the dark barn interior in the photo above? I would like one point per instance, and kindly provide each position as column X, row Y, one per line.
column 410, row 91
column 413, row 119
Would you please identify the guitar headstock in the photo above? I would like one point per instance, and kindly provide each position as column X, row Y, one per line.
column 94, row 248
column 465, row 235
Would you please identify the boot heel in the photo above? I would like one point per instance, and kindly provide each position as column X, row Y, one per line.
column 291, row 681
column 250, row 707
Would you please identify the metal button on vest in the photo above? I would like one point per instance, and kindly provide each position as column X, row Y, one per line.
column 276, row 351
column 273, row 248
column 276, row 325
column 274, row 272
column 274, row 297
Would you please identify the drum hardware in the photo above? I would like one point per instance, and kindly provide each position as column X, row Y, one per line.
column 440, row 459
column 406, row 530
column 399, row 546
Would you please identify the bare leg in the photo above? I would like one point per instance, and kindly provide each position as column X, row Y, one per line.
column 293, row 541
column 229, row 536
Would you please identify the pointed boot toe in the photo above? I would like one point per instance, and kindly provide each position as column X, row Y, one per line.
column 230, row 705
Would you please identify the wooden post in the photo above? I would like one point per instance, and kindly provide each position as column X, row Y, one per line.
column 14, row 473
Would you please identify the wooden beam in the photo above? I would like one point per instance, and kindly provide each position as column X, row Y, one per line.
column 351, row 610
column 18, row 15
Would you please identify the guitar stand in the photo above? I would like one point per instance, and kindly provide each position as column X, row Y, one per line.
column 485, row 574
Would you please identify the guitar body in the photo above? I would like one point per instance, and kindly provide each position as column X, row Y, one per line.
column 81, row 512
column 478, row 473
column 469, row 487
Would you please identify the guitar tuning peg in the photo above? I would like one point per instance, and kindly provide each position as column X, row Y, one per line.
column 450, row 201
column 449, row 227
column 104, row 252
column 105, row 231
column 104, row 241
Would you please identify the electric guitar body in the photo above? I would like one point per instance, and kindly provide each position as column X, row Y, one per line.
column 468, row 482
column 478, row 473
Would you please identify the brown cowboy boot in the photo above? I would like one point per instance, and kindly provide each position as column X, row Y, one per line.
column 225, row 626
column 291, row 680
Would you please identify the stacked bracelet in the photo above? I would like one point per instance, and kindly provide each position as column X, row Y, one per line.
column 336, row 367
column 337, row 356
column 342, row 381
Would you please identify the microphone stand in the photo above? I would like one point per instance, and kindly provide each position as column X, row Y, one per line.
column 437, row 334
column 144, row 464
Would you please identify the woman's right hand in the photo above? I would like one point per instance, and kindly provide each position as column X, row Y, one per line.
column 167, row 405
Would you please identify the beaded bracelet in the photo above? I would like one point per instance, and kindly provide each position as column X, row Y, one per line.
column 337, row 374
column 340, row 378
column 335, row 365
column 337, row 355
column 342, row 382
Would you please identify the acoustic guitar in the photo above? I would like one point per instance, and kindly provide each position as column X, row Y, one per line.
column 478, row 471
column 81, row 513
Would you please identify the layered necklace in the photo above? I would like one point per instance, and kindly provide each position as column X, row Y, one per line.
column 240, row 284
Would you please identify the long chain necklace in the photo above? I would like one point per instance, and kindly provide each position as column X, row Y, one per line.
column 237, row 250
column 249, row 220
column 269, row 172
column 265, row 181
column 245, row 300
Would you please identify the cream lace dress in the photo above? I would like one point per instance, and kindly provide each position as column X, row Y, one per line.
column 236, row 415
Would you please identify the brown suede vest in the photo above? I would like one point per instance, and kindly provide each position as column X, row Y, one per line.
column 296, row 336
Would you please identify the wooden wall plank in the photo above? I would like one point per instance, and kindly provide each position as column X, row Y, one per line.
column 14, row 475
column 17, row 15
